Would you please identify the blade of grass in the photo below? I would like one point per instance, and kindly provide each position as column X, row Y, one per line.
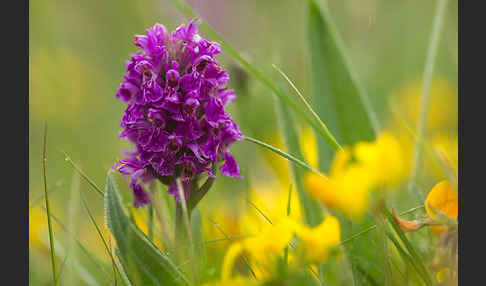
column 286, row 251
column 98, row 230
column 230, row 238
column 91, row 183
column 374, row 226
column 338, row 97
column 424, row 98
column 416, row 258
column 329, row 138
column 406, row 257
column 429, row 151
column 113, row 264
column 49, row 225
column 73, row 221
column 283, row 154
column 291, row 245
column 312, row 209
column 252, row 69
column 79, row 244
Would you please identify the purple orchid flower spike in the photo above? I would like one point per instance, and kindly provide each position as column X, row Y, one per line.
column 176, row 93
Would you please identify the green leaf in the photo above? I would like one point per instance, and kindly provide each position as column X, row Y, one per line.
column 143, row 262
column 337, row 97
column 422, row 269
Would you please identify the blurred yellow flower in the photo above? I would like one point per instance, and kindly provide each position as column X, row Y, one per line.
column 383, row 158
column 278, row 164
column 141, row 220
column 346, row 192
column 266, row 247
column 236, row 281
column 442, row 113
column 271, row 198
column 447, row 146
column 308, row 145
column 37, row 228
column 444, row 198
column 443, row 274
column 316, row 242
column 355, row 172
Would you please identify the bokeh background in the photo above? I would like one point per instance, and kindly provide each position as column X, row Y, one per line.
column 77, row 51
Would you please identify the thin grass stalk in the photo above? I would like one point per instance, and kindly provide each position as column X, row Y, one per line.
column 91, row 183
column 98, row 230
column 329, row 138
column 424, row 98
column 79, row 244
column 186, row 221
column 73, row 221
column 229, row 238
column 289, row 157
column 286, row 251
column 51, row 235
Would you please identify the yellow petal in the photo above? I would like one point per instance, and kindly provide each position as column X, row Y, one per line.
column 308, row 144
column 442, row 197
column 317, row 241
column 229, row 260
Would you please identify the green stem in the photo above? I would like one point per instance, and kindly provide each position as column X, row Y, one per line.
column 51, row 235
column 424, row 99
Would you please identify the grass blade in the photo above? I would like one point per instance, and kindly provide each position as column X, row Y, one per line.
column 230, row 238
column 413, row 253
column 289, row 157
column 98, row 230
column 90, row 182
column 312, row 209
column 51, row 235
column 339, row 99
column 286, row 252
column 329, row 137
column 80, row 245
column 424, row 98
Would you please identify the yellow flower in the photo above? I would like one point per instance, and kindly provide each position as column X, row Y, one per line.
column 346, row 192
column 316, row 242
column 308, row 145
column 444, row 198
column 141, row 220
column 236, row 281
column 266, row 247
column 355, row 172
column 443, row 98
column 37, row 228
column 263, row 248
column 383, row 158
column 447, row 147
column 443, row 274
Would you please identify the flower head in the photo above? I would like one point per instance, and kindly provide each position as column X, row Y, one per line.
column 176, row 93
